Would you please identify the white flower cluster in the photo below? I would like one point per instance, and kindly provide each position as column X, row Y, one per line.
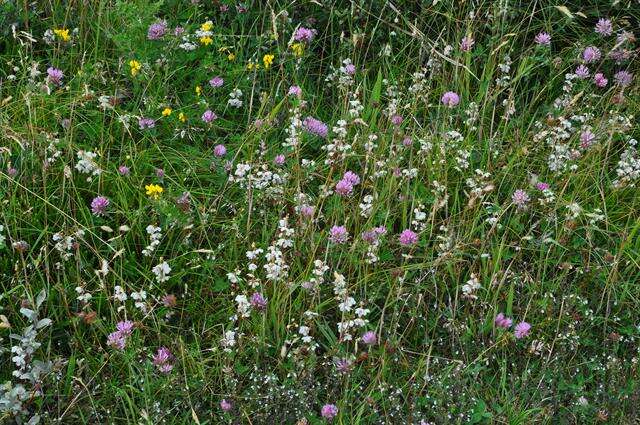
column 162, row 271
column 628, row 169
column 155, row 234
column 350, row 322
column 86, row 163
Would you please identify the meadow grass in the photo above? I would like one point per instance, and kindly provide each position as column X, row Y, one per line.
column 402, row 212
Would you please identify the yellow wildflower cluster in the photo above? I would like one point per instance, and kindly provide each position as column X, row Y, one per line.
column 268, row 60
column 298, row 49
column 135, row 67
column 62, row 33
column 154, row 191
column 166, row 112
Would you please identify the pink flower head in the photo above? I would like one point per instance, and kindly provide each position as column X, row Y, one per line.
column 55, row 75
column 450, row 99
column 146, row 123
column 219, row 151
column 408, row 237
column 542, row 186
column 351, row 177
column 343, row 365
column 407, row 141
column 12, row 171
column 582, row 72
column 329, row 411
column 304, row 34
column 344, row 188
column 604, row 27
column 623, row 78
column 369, row 338
column 600, row 80
column 157, row 31
column 543, row 39
column 279, row 159
column 350, row 69
column 163, row 360
column 295, row 91
column 467, row 43
column 307, row 211
column 396, row 120
column 586, row 139
column 225, row 405
column 520, row 198
column 338, row 234
column 522, row 330
column 503, row 321
column 591, row 54
column 209, row 116
column 258, row 301
column 316, row 127
column 160, row 173
column 99, row 205
column 125, row 327
column 116, row 340
column 216, row 82
column 123, row 170
column 178, row 31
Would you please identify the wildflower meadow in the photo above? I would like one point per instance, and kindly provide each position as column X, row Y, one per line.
column 308, row 212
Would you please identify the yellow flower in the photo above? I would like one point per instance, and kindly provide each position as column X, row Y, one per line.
column 154, row 191
column 135, row 67
column 252, row 65
column 182, row 117
column 206, row 40
column 166, row 112
column 207, row 26
column 198, row 90
column 231, row 57
column 267, row 60
column 298, row 49
column 62, row 33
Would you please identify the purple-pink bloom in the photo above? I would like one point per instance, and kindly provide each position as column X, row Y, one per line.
column 329, row 411
column 586, row 139
column 520, row 198
column 623, row 78
column 258, row 301
column 543, row 39
column 146, row 123
column 338, row 234
column 450, row 99
column 219, row 151
column 467, row 43
column 225, row 405
column 279, row 159
column 123, row 170
column 209, row 116
column 125, row 327
column 396, row 120
column 216, row 82
column 344, row 188
column 369, row 338
column 343, row 365
column 55, row 75
column 99, row 205
column 315, row 127
column 178, row 31
column 350, row 69
column 582, row 72
column 503, row 321
column 351, row 177
column 304, row 34
column 116, row 340
column 163, row 360
column 408, row 237
column 307, row 211
column 521, row 330
column 600, row 80
column 591, row 54
column 407, row 141
column 295, row 91
column 542, row 186
column 12, row 171
column 160, row 173
column 157, row 31
column 604, row 27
